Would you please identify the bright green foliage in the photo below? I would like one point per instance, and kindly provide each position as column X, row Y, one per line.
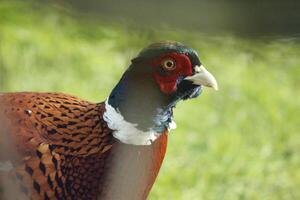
column 242, row 142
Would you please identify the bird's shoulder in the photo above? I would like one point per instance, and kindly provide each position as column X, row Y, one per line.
column 52, row 142
column 66, row 123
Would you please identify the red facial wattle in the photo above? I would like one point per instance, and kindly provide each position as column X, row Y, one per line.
column 167, row 78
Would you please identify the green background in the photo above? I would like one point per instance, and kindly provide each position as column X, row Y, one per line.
column 242, row 142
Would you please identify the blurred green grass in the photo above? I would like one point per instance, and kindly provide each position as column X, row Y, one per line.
column 242, row 142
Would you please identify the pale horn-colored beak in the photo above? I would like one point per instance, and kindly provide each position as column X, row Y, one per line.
column 203, row 77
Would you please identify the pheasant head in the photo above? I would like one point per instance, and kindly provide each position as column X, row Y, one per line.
column 140, row 107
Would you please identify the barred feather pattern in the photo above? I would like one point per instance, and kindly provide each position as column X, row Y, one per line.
column 61, row 148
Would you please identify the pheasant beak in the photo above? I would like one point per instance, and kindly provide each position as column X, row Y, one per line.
column 203, row 77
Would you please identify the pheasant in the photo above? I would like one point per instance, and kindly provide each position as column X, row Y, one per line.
column 55, row 146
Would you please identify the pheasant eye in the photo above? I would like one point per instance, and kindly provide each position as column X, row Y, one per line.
column 169, row 64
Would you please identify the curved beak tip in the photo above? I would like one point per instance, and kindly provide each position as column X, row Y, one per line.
column 215, row 86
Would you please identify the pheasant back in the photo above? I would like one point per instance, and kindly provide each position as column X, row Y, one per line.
column 61, row 148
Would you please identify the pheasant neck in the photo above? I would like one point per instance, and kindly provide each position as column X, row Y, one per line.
column 137, row 105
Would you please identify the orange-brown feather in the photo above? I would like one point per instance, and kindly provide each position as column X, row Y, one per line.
column 61, row 148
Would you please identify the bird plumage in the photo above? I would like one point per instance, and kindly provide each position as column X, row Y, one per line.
column 65, row 149
column 57, row 146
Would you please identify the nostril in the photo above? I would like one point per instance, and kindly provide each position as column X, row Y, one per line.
column 198, row 68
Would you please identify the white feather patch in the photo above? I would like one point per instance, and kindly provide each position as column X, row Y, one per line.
column 172, row 125
column 6, row 166
column 127, row 132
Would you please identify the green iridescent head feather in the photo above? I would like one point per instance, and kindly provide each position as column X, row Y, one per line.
column 165, row 47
